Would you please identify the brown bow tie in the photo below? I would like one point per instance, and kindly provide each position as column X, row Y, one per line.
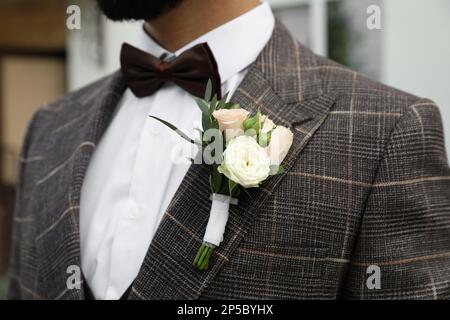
column 191, row 71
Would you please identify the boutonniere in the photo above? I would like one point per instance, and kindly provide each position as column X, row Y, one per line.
column 242, row 150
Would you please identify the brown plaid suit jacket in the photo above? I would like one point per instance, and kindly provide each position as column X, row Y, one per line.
column 367, row 183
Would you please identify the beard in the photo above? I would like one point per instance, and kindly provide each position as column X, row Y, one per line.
column 122, row 10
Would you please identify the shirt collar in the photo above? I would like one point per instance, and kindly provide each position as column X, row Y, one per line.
column 235, row 44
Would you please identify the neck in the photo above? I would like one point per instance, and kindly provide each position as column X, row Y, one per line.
column 193, row 18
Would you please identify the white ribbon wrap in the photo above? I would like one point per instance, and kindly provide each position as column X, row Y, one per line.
column 218, row 218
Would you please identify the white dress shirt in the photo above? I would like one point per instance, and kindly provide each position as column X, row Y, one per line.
column 139, row 163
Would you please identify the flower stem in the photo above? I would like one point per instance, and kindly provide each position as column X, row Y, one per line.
column 205, row 252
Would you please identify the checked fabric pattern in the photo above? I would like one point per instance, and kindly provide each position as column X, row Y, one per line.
column 367, row 182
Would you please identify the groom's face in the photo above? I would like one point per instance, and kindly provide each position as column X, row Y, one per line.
column 118, row 10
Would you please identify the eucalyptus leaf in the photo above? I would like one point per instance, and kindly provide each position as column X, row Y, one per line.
column 203, row 105
column 213, row 105
column 214, row 123
column 234, row 188
column 216, row 178
column 232, row 105
column 176, row 130
column 201, row 133
column 208, row 92
column 206, row 122
column 223, row 102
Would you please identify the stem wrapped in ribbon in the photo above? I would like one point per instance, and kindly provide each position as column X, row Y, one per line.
column 218, row 218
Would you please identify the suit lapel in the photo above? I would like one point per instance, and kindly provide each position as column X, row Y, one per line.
column 58, row 234
column 283, row 83
column 167, row 271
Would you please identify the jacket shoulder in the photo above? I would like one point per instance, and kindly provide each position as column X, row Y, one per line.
column 81, row 96
column 76, row 103
column 69, row 108
column 362, row 93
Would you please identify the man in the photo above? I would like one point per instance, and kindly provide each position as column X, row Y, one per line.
column 362, row 210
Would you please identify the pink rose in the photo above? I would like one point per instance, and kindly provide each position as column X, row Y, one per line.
column 231, row 122
column 280, row 143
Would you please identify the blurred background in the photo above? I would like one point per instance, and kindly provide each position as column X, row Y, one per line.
column 40, row 59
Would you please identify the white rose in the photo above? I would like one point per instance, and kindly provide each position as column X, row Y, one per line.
column 280, row 143
column 245, row 162
column 231, row 122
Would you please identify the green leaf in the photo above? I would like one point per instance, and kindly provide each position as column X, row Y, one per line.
column 213, row 105
column 232, row 105
column 214, row 123
column 234, row 188
column 222, row 102
column 216, row 178
column 206, row 122
column 203, row 105
column 200, row 133
column 209, row 122
column 249, row 123
column 208, row 92
column 253, row 124
column 264, row 139
column 176, row 130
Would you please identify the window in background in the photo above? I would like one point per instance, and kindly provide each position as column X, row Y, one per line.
column 28, row 82
column 32, row 73
column 337, row 29
column 297, row 20
column 350, row 42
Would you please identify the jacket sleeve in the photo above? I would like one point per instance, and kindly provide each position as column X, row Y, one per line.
column 15, row 265
column 403, row 247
